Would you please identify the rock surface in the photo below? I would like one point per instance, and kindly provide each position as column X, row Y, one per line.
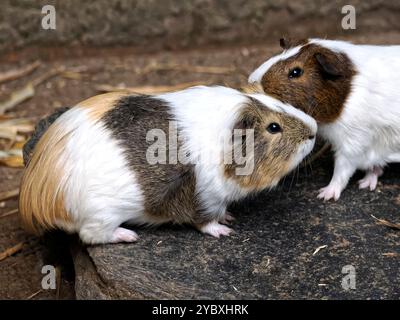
column 272, row 254
column 166, row 24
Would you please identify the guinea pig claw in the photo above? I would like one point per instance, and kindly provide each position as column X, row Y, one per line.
column 329, row 192
column 216, row 229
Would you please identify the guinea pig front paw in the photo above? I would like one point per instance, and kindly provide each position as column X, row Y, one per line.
column 330, row 192
column 215, row 229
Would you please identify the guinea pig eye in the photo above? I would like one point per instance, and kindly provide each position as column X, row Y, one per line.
column 295, row 72
column 274, row 128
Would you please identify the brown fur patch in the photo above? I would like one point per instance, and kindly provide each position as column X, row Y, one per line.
column 272, row 152
column 170, row 188
column 287, row 43
column 321, row 91
column 100, row 104
column 41, row 201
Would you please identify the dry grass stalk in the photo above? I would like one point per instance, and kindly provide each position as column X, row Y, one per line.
column 19, row 73
column 9, row 213
column 71, row 75
column 387, row 223
column 34, row 294
column 10, row 128
column 48, row 75
column 10, row 251
column 28, row 91
column 12, row 158
column 9, row 194
column 17, row 97
column 319, row 248
column 391, row 254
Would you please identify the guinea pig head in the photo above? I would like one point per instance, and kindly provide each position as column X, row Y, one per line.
column 281, row 135
column 308, row 76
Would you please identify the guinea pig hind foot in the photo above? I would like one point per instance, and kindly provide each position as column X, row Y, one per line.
column 227, row 219
column 124, row 235
column 215, row 229
column 101, row 236
column 370, row 180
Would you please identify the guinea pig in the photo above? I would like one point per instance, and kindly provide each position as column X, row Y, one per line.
column 353, row 93
column 150, row 159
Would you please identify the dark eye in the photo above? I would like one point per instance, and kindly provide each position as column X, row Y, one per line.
column 274, row 128
column 295, row 72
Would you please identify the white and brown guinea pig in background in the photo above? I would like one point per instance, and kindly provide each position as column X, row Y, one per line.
column 89, row 172
column 353, row 91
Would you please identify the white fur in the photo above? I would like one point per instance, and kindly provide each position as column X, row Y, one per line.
column 367, row 134
column 101, row 191
column 257, row 74
column 281, row 107
column 204, row 114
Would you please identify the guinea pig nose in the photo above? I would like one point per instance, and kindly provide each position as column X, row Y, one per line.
column 311, row 137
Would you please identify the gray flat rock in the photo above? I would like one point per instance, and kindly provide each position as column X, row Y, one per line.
column 272, row 254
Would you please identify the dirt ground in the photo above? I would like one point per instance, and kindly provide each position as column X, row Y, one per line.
column 20, row 274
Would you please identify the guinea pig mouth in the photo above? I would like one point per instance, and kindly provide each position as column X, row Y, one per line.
column 303, row 151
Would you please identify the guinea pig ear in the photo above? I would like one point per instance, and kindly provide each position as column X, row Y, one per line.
column 287, row 43
column 330, row 63
column 283, row 43
column 246, row 121
column 247, row 118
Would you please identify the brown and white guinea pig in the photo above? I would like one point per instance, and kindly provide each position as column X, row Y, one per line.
column 353, row 91
column 118, row 158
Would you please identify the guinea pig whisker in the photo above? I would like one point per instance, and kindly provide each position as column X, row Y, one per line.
column 281, row 188
column 312, row 108
column 297, row 174
column 311, row 168
column 291, row 183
